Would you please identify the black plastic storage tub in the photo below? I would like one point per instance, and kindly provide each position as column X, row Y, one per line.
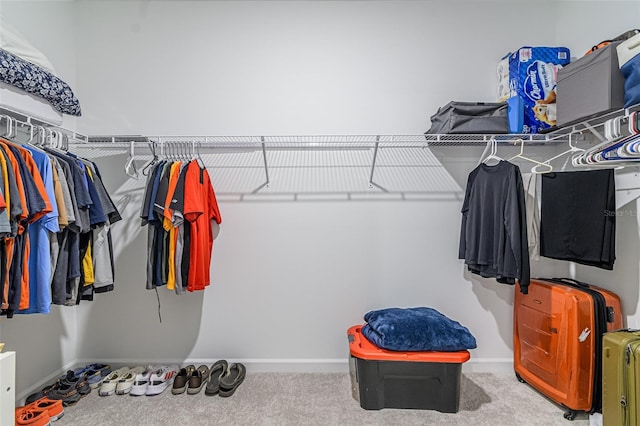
column 418, row 380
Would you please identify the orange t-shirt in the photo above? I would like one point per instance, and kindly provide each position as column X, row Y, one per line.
column 200, row 208
column 168, row 225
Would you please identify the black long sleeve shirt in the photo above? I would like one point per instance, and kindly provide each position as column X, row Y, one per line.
column 493, row 236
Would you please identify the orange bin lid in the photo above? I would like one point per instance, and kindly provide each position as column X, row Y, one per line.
column 361, row 347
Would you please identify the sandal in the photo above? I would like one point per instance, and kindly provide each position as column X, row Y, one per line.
column 230, row 381
column 53, row 406
column 218, row 369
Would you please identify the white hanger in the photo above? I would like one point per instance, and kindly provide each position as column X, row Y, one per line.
column 593, row 155
column 10, row 127
column 572, row 148
column 494, row 151
column 548, row 166
column 130, row 167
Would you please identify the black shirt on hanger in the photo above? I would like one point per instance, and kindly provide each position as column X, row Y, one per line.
column 493, row 236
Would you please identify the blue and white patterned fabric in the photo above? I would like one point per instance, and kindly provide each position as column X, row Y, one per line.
column 39, row 82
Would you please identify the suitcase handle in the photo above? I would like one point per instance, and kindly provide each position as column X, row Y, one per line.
column 572, row 282
column 629, row 330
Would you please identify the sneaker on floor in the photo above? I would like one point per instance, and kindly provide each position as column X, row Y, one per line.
column 198, row 379
column 109, row 383
column 32, row 417
column 80, row 383
column 66, row 392
column 161, row 379
column 95, row 373
column 124, row 384
column 182, row 379
column 141, row 382
column 52, row 406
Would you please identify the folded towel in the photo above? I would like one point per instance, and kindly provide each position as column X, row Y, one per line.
column 416, row 329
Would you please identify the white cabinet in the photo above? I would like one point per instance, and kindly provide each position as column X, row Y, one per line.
column 7, row 388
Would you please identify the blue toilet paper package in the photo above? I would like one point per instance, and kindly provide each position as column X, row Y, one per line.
column 530, row 75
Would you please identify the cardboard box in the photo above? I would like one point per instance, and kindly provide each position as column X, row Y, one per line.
column 531, row 77
column 388, row 379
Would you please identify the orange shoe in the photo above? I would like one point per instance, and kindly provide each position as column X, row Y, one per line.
column 28, row 417
column 53, row 406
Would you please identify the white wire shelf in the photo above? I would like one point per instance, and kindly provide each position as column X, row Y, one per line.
column 297, row 167
column 322, row 141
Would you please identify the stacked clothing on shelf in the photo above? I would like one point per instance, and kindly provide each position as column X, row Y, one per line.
column 55, row 218
column 181, row 210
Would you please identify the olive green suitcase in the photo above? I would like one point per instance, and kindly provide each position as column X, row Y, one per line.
column 620, row 378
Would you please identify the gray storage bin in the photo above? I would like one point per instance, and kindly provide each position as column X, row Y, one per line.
column 590, row 86
column 470, row 117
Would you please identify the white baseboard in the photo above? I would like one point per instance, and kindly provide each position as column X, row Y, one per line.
column 337, row 365
column 489, row 365
column 303, row 365
column 255, row 365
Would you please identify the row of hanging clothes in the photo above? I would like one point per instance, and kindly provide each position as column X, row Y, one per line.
column 183, row 219
column 55, row 223
column 510, row 217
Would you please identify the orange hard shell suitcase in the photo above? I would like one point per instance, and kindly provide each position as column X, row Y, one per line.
column 557, row 335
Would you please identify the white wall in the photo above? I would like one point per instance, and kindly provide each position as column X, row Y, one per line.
column 290, row 277
column 287, row 66
column 44, row 344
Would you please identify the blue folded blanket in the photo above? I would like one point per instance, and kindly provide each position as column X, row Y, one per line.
column 416, row 329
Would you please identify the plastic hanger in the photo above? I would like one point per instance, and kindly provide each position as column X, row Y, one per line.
column 548, row 166
column 195, row 154
column 572, row 148
column 493, row 154
column 147, row 167
column 10, row 127
column 614, row 138
column 130, row 166
column 60, row 143
column 199, row 158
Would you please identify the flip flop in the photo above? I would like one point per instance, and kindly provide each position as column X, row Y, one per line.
column 230, row 381
column 218, row 369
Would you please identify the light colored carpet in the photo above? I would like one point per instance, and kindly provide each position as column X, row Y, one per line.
column 319, row 399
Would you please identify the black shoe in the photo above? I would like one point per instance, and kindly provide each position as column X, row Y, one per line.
column 230, row 381
column 66, row 392
column 78, row 382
